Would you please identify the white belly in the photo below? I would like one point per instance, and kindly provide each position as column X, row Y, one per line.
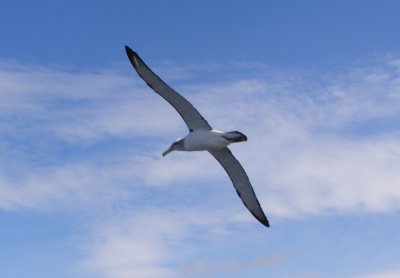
column 203, row 140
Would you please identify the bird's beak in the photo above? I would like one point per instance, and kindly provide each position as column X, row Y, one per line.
column 170, row 149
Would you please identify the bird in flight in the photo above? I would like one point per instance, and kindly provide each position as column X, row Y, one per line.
column 202, row 137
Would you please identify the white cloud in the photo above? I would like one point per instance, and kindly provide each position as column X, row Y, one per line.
column 229, row 267
column 69, row 186
column 153, row 242
column 384, row 274
column 317, row 145
column 80, row 106
column 314, row 146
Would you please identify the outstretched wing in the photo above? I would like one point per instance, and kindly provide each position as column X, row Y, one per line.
column 189, row 114
column 241, row 183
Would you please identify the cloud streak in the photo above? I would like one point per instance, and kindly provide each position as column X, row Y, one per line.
column 314, row 147
column 318, row 144
column 384, row 274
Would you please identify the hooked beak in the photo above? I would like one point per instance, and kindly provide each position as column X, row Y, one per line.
column 170, row 149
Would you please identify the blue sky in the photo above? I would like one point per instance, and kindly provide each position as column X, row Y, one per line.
column 84, row 191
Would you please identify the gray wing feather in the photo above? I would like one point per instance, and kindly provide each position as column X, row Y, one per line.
column 241, row 183
column 189, row 114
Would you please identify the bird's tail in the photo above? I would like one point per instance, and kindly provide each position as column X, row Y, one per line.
column 235, row 136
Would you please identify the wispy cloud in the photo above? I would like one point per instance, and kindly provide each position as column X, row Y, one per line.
column 209, row 267
column 333, row 139
column 384, row 274
column 317, row 144
column 152, row 242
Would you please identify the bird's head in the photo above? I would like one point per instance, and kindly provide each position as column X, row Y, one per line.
column 176, row 146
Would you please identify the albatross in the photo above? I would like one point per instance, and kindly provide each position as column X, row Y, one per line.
column 202, row 137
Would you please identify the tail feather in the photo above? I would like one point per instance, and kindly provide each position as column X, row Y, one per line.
column 235, row 136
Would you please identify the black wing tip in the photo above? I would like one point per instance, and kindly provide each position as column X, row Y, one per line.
column 266, row 223
column 129, row 50
column 132, row 55
column 263, row 220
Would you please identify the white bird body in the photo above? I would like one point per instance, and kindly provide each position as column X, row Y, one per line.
column 205, row 140
column 202, row 137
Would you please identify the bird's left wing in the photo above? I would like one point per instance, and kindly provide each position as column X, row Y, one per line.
column 241, row 183
column 193, row 119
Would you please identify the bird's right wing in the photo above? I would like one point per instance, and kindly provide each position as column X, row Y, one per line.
column 189, row 114
column 241, row 183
